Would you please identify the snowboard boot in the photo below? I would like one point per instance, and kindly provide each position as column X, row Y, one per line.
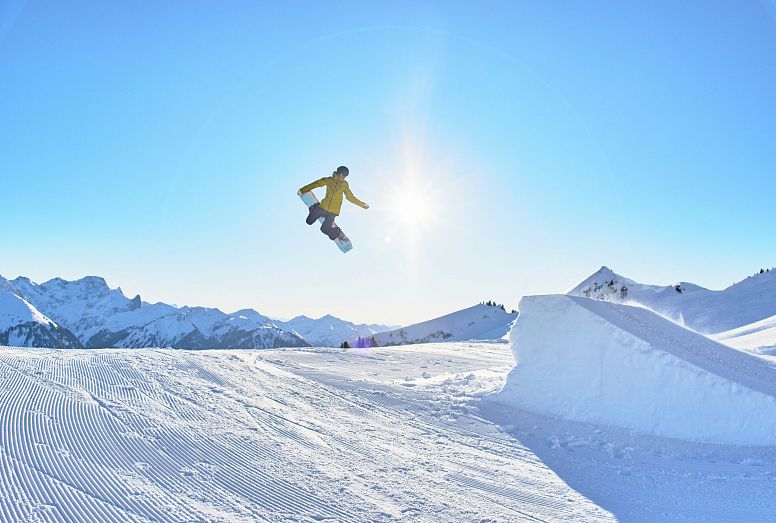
column 334, row 233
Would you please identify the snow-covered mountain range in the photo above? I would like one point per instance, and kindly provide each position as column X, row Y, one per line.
column 480, row 322
column 21, row 324
column 330, row 331
column 87, row 313
column 702, row 310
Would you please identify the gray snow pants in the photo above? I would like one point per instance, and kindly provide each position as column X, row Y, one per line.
column 328, row 228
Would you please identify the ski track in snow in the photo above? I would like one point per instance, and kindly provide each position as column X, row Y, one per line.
column 284, row 435
column 385, row 434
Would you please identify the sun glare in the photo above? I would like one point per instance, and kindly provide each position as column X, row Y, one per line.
column 419, row 184
column 412, row 206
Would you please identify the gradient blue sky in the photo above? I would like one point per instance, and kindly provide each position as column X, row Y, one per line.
column 161, row 145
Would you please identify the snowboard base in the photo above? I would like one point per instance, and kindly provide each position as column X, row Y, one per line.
column 343, row 242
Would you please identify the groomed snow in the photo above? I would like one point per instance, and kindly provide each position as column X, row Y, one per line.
column 385, row 434
column 229, row 436
column 593, row 361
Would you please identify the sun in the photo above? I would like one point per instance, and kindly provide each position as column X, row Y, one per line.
column 412, row 205
column 412, row 208
column 418, row 185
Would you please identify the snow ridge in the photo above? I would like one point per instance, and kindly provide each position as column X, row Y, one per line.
column 703, row 310
column 480, row 322
column 758, row 337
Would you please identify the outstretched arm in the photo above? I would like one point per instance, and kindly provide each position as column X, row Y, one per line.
column 352, row 199
column 314, row 185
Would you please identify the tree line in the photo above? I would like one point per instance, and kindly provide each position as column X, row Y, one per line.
column 491, row 303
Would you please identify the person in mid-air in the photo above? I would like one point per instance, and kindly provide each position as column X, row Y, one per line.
column 329, row 208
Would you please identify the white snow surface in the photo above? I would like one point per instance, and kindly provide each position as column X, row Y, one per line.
column 758, row 337
column 166, row 435
column 480, row 322
column 15, row 310
column 703, row 310
column 594, row 361
column 383, row 434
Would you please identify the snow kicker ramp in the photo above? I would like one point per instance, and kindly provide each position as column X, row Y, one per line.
column 604, row 363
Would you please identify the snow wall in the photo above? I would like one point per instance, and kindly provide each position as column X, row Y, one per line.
column 609, row 364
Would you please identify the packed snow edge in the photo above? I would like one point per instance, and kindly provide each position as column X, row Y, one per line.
column 611, row 364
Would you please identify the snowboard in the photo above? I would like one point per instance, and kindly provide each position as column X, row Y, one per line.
column 343, row 242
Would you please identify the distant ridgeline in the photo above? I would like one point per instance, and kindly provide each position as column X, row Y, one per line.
column 485, row 321
column 88, row 314
column 703, row 310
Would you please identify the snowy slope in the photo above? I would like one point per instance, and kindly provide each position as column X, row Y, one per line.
column 700, row 309
column 22, row 325
column 329, row 331
column 104, row 317
column 15, row 310
column 234, row 436
column 594, row 361
column 758, row 337
column 481, row 322
column 302, row 435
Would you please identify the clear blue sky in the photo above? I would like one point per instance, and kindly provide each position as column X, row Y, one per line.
column 161, row 145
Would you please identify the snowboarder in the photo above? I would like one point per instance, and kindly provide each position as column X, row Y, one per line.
column 329, row 208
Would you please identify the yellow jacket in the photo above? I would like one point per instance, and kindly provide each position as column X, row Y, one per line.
column 336, row 186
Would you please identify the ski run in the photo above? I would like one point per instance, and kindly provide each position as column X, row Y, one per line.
column 386, row 434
